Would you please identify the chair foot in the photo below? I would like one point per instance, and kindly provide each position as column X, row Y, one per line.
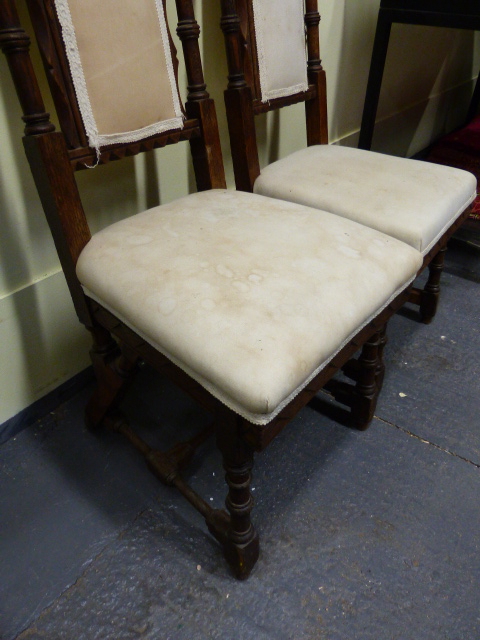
column 431, row 292
column 428, row 306
column 242, row 557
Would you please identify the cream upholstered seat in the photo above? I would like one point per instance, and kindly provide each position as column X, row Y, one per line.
column 251, row 297
column 273, row 53
column 411, row 200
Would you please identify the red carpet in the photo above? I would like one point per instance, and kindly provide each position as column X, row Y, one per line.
column 461, row 149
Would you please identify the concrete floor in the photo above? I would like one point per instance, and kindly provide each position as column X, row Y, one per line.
column 372, row 535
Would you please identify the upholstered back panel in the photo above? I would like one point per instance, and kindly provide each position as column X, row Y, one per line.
column 281, row 49
column 122, row 68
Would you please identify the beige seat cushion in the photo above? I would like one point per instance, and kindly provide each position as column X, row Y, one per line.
column 410, row 200
column 250, row 296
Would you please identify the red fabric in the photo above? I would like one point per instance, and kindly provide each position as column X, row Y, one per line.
column 461, row 149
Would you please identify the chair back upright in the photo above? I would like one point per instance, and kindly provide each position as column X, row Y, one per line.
column 92, row 52
column 273, row 54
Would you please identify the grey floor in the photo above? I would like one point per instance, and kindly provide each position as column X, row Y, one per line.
column 372, row 535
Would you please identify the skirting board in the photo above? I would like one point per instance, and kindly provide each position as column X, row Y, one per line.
column 42, row 344
column 44, row 405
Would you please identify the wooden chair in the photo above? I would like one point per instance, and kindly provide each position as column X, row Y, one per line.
column 249, row 304
column 271, row 66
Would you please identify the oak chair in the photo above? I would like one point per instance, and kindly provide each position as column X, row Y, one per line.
column 249, row 304
column 274, row 61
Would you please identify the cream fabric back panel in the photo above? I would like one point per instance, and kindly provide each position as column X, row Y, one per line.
column 280, row 35
column 122, row 68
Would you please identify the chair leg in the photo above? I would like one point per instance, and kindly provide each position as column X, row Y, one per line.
column 431, row 292
column 371, row 368
column 114, row 372
column 241, row 547
column 167, row 467
column 367, row 371
column 380, row 371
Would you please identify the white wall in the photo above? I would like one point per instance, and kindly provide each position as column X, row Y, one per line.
column 426, row 89
column 427, row 81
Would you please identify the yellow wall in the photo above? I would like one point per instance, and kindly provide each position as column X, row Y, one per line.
column 426, row 89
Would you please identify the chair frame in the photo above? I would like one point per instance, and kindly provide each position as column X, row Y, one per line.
column 117, row 350
column 243, row 103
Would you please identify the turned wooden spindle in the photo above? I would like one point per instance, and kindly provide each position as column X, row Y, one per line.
column 231, row 27
column 366, row 389
column 206, row 150
column 239, row 95
column 188, row 31
column 241, row 547
column 431, row 292
column 15, row 44
column 315, row 109
column 380, row 372
column 312, row 22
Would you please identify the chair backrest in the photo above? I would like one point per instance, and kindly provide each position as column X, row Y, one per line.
column 112, row 72
column 273, row 54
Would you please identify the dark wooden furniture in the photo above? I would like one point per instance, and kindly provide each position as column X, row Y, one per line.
column 455, row 14
column 244, row 102
column 121, row 335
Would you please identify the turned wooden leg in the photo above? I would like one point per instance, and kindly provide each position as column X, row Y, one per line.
column 366, row 389
column 431, row 291
column 241, row 547
column 380, row 371
column 113, row 371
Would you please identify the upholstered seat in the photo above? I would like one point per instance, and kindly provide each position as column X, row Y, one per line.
column 250, row 305
column 273, row 52
column 413, row 201
column 251, row 297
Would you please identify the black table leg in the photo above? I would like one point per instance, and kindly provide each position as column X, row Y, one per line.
column 377, row 66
